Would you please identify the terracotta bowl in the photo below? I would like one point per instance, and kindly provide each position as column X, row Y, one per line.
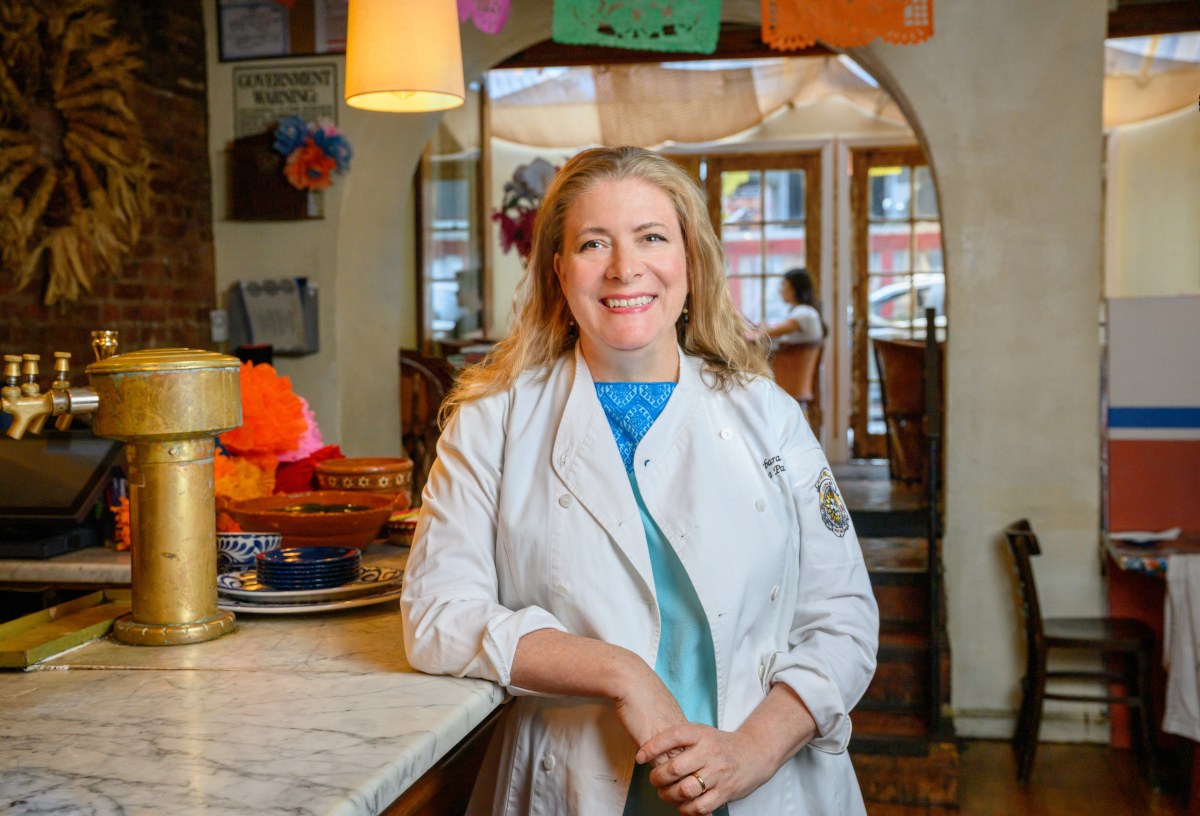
column 374, row 474
column 356, row 528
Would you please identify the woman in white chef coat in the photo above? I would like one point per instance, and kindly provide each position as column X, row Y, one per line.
column 634, row 531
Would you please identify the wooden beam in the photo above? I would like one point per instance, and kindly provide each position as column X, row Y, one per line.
column 1142, row 19
column 736, row 41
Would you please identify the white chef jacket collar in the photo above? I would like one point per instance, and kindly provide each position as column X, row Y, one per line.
column 586, row 458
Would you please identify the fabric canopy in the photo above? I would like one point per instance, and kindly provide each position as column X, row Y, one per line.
column 651, row 104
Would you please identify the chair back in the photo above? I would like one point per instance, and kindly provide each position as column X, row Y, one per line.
column 1024, row 545
column 795, row 366
column 424, row 384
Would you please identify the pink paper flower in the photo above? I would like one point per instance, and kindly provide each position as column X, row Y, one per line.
column 310, row 440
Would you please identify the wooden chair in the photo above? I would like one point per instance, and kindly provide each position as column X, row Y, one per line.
column 901, row 366
column 796, row 366
column 424, row 384
column 1129, row 641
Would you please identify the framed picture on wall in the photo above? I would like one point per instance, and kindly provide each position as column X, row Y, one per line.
column 263, row 29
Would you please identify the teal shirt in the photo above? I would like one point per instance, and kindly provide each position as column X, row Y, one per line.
column 685, row 661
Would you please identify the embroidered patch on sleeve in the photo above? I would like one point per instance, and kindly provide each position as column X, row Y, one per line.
column 833, row 510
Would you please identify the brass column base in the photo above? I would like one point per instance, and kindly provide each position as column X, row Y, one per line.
column 127, row 630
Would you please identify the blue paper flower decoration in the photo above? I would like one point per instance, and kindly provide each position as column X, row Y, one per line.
column 290, row 134
column 334, row 146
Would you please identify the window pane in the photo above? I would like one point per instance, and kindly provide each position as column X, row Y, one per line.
column 785, row 195
column 747, row 296
column 453, row 270
column 925, row 204
column 785, row 247
column 888, row 248
column 928, row 256
column 743, row 250
column 891, row 190
column 741, row 196
column 890, row 306
column 931, row 294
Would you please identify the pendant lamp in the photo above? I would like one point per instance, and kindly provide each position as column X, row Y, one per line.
column 403, row 55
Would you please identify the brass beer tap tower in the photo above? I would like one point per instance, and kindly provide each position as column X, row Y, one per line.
column 168, row 406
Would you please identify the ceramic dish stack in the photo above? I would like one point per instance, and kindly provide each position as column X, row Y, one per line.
column 244, row 592
column 308, row 567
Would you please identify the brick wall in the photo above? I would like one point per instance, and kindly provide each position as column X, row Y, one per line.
column 166, row 288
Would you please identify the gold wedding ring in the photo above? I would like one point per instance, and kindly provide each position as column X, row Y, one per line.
column 703, row 787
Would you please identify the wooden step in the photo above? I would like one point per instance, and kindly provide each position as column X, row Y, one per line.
column 894, row 552
column 901, row 675
column 903, row 598
column 887, row 723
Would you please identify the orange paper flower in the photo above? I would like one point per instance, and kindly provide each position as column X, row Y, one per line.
column 243, row 477
column 308, row 167
column 123, row 536
column 272, row 416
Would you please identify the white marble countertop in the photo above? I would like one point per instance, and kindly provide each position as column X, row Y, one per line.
column 312, row 714
column 95, row 565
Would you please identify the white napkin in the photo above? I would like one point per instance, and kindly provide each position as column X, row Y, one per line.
column 1181, row 646
column 1138, row 537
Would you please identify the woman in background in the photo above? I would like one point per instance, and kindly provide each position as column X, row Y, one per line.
column 803, row 322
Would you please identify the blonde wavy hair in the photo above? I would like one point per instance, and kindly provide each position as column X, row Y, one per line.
column 716, row 332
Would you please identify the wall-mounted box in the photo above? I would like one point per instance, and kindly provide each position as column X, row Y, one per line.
column 281, row 313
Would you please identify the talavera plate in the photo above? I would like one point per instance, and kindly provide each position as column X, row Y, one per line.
column 245, row 587
column 302, row 608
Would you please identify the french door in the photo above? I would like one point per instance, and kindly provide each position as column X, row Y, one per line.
column 898, row 272
column 766, row 207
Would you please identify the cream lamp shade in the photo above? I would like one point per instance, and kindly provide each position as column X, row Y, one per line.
column 403, row 55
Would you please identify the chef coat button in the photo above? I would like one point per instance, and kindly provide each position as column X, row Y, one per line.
column 726, row 433
column 565, row 500
column 562, row 590
column 762, row 670
column 548, row 762
column 761, row 505
column 775, row 593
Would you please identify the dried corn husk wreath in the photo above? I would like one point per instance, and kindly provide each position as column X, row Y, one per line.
column 74, row 171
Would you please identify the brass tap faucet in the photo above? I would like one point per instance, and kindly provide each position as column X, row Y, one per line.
column 167, row 406
column 29, row 407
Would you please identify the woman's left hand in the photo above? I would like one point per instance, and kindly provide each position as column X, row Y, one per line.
column 732, row 764
column 728, row 762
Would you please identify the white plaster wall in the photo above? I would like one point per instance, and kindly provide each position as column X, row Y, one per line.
column 1154, row 207
column 1007, row 101
column 361, row 255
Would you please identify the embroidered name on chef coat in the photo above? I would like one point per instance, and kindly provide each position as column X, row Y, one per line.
column 833, row 510
column 773, row 466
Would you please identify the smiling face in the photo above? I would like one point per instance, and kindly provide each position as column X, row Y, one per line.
column 623, row 268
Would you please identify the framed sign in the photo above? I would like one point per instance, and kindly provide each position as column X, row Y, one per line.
column 262, row 95
column 261, row 29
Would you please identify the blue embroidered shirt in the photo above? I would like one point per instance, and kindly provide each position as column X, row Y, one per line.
column 686, row 661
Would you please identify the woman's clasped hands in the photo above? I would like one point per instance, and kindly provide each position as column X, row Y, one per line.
column 700, row 768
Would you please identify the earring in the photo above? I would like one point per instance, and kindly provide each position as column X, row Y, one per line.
column 572, row 329
column 685, row 317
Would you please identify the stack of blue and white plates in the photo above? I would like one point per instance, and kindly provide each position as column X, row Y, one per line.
column 308, row 567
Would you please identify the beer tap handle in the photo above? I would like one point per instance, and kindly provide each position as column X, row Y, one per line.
column 62, row 382
column 29, row 369
column 12, row 376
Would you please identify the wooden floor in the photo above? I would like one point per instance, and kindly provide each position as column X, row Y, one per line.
column 1068, row 780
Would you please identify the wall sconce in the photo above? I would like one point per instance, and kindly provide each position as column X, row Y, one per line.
column 403, row 56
